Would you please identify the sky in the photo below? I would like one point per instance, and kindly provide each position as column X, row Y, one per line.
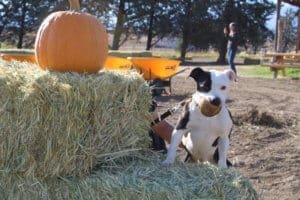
column 271, row 23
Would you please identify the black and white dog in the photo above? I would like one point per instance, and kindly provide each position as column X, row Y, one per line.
column 205, row 138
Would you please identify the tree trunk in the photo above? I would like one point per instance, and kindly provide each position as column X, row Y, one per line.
column 278, row 8
column 228, row 16
column 184, row 45
column 22, row 25
column 281, row 42
column 119, row 26
column 186, row 31
column 1, row 29
column 222, row 52
column 255, row 50
column 298, row 33
column 150, row 29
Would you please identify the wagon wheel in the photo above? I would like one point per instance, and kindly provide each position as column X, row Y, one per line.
column 157, row 87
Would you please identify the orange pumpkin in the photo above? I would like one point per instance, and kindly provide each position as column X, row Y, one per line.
column 71, row 41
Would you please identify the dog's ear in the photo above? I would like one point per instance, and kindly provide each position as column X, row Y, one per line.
column 231, row 75
column 196, row 74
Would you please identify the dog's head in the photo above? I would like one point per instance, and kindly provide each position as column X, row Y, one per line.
column 213, row 85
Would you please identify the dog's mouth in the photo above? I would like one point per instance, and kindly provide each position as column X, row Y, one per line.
column 209, row 108
column 215, row 101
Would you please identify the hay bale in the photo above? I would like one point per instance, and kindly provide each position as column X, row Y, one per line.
column 60, row 124
column 141, row 178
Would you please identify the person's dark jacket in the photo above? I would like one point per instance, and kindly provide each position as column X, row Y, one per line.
column 233, row 40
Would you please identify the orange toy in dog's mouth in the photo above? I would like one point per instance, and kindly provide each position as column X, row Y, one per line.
column 208, row 109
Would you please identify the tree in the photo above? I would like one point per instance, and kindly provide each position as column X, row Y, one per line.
column 121, row 14
column 101, row 9
column 5, row 15
column 192, row 22
column 21, row 17
column 151, row 18
column 186, row 25
column 250, row 16
column 151, row 23
column 198, row 23
column 121, row 10
column 290, row 31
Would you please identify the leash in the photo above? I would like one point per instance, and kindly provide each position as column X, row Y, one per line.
column 170, row 111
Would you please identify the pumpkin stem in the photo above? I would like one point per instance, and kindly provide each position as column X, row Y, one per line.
column 74, row 5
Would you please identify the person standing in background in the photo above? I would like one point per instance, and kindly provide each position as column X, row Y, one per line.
column 233, row 39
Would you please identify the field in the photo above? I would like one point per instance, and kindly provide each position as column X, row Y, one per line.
column 57, row 143
column 265, row 143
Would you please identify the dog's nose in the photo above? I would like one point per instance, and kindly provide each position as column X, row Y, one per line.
column 215, row 101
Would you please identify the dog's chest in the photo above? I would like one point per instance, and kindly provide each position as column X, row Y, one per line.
column 202, row 135
column 204, row 132
column 208, row 125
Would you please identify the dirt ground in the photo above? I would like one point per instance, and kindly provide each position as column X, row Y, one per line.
column 265, row 142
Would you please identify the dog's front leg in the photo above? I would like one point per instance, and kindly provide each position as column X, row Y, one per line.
column 223, row 145
column 175, row 141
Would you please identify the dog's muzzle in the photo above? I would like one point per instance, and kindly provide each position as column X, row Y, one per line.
column 216, row 101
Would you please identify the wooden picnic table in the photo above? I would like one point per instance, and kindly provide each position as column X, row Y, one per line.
column 280, row 61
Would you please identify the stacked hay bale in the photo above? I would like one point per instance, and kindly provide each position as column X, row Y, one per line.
column 65, row 124
column 60, row 124
column 141, row 178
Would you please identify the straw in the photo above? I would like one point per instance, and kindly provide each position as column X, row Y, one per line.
column 59, row 124
column 141, row 178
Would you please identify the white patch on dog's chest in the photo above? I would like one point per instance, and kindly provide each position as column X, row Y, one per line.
column 199, row 145
column 203, row 132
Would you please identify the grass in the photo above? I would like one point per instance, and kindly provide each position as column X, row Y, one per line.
column 202, row 54
column 245, row 55
column 172, row 54
column 6, row 46
column 166, row 54
column 245, row 70
column 258, row 71
column 17, row 51
column 189, row 55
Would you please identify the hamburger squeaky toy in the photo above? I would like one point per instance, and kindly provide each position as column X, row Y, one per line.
column 208, row 109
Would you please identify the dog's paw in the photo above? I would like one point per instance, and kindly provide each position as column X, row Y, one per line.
column 167, row 163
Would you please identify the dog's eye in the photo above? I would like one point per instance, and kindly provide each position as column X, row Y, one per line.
column 223, row 87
